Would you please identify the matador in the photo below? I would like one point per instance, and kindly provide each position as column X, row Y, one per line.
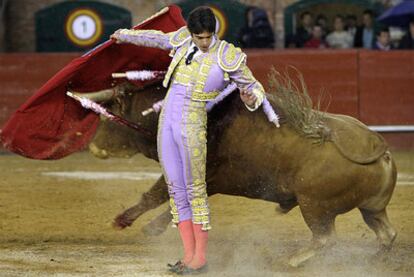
column 202, row 65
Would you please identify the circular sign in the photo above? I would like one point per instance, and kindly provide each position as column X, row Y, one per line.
column 221, row 21
column 83, row 27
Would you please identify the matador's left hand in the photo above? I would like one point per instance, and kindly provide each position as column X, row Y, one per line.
column 116, row 36
column 248, row 98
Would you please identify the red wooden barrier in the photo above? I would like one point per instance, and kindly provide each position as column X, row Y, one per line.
column 386, row 83
column 375, row 87
column 331, row 72
column 22, row 74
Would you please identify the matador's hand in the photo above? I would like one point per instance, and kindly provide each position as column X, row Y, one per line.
column 116, row 36
column 248, row 98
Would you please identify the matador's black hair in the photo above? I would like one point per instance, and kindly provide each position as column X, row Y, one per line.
column 201, row 20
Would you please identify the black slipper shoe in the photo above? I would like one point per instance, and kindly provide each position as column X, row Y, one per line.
column 185, row 270
column 179, row 262
column 176, row 267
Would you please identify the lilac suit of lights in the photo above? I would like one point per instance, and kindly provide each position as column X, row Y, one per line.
column 182, row 138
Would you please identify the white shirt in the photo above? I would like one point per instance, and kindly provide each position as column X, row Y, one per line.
column 192, row 45
column 339, row 40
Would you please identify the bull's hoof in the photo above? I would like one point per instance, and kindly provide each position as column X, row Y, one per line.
column 120, row 222
column 382, row 256
column 386, row 244
column 383, row 252
column 384, row 248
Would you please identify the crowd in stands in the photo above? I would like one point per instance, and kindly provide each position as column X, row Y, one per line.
column 257, row 32
column 344, row 33
column 317, row 33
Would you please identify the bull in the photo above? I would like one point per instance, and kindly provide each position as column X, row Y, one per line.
column 327, row 164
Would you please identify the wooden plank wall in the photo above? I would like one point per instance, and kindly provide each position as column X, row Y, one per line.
column 375, row 87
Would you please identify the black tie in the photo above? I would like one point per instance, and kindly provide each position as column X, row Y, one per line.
column 191, row 55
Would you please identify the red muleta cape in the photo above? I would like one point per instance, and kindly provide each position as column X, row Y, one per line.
column 51, row 125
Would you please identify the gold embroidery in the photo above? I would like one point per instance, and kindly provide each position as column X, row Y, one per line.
column 209, row 62
column 196, row 152
column 247, row 73
column 201, row 212
column 226, row 76
column 174, row 211
column 133, row 32
column 193, row 116
column 197, row 142
column 195, row 75
column 231, row 59
column 231, row 54
column 203, row 96
column 205, row 69
column 180, row 36
column 202, row 135
column 182, row 79
column 198, row 88
column 176, row 60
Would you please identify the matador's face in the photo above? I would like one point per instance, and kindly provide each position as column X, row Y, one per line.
column 202, row 40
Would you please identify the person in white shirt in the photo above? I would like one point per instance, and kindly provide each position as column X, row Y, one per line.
column 351, row 25
column 339, row 38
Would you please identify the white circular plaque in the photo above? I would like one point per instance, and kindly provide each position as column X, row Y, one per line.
column 83, row 27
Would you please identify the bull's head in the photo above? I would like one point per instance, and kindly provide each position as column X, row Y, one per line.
column 127, row 101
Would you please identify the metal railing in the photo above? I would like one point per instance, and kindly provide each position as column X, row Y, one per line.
column 392, row 128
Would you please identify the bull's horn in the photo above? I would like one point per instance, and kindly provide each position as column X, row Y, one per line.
column 119, row 75
column 97, row 96
column 147, row 111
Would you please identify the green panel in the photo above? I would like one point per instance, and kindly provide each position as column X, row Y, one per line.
column 51, row 35
column 301, row 6
column 234, row 13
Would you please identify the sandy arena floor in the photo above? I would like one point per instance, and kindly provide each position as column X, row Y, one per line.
column 55, row 220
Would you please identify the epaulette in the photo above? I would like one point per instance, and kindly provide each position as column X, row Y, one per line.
column 180, row 37
column 230, row 57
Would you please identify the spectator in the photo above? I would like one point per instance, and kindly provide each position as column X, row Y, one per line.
column 257, row 33
column 407, row 41
column 351, row 25
column 383, row 40
column 290, row 41
column 304, row 32
column 322, row 21
column 316, row 41
column 364, row 36
column 339, row 38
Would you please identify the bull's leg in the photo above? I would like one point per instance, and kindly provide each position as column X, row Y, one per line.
column 158, row 225
column 379, row 223
column 156, row 196
column 322, row 226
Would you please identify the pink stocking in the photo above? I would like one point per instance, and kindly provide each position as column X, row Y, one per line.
column 201, row 239
column 187, row 237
